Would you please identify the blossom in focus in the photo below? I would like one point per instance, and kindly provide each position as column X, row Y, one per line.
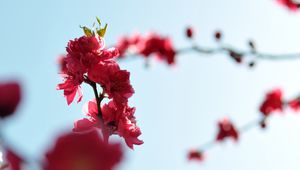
column 114, row 81
column 117, row 120
column 84, row 151
column 71, row 89
column 290, row 4
column 272, row 102
column 226, row 130
column 10, row 97
column 86, row 124
column 82, row 54
column 195, row 155
column 128, row 129
column 120, row 119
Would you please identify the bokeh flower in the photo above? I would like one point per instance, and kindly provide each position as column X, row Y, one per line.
column 10, row 93
column 227, row 130
column 84, row 151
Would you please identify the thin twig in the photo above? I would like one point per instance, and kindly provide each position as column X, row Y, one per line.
column 225, row 49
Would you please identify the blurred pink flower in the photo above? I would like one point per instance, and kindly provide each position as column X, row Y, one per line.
column 290, row 4
column 10, row 93
column 124, row 43
column 195, row 155
column 294, row 104
column 85, row 151
column 159, row 46
column 71, row 88
column 273, row 102
column 152, row 44
column 227, row 130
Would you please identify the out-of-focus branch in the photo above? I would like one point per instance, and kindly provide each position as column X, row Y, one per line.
column 162, row 47
column 225, row 49
column 226, row 129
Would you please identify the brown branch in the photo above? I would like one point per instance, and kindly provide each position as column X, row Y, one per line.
column 226, row 49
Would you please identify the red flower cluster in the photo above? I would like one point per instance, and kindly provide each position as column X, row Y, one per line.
column 87, row 61
column 227, row 130
column 273, row 102
column 84, row 151
column 118, row 119
column 10, row 93
column 114, row 81
column 152, row 44
column 84, row 53
column 290, row 4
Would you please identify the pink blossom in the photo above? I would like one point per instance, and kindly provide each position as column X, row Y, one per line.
column 273, row 102
column 83, row 125
column 71, row 88
column 91, row 111
column 150, row 45
column 117, row 120
column 129, row 131
column 108, row 54
column 85, row 44
column 227, row 130
column 82, row 54
column 115, row 82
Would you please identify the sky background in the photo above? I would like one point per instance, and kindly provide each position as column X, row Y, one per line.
column 177, row 107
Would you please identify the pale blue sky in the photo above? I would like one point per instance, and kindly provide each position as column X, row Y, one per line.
column 177, row 108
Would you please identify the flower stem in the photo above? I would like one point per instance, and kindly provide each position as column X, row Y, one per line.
column 99, row 98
